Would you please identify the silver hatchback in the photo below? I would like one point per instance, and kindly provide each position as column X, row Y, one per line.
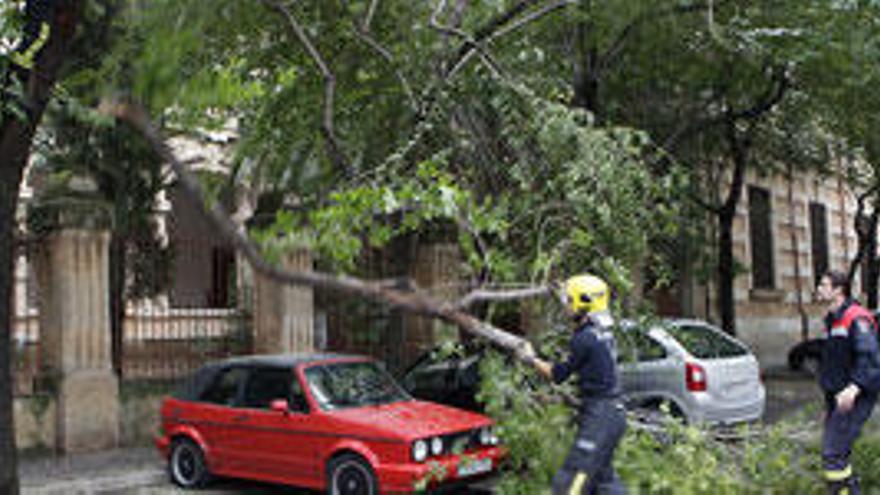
column 703, row 374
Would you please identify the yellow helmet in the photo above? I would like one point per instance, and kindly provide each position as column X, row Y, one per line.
column 586, row 294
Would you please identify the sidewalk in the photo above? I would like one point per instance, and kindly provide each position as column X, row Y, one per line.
column 115, row 471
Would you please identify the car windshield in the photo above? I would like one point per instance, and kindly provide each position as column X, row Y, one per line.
column 705, row 343
column 358, row 384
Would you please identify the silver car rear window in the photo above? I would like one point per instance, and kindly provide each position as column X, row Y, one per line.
column 705, row 343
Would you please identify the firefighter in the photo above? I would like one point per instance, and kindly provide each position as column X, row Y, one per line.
column 849, row 377
column 601, row 420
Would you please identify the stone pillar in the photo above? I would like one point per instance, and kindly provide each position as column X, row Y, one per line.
column 437, row 267
column 75, row 338
column 284, row 314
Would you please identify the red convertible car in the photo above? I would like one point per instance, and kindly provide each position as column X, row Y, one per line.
column 327, row 422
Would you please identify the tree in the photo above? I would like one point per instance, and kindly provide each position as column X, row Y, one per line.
column 32, row 90
column 250, row 85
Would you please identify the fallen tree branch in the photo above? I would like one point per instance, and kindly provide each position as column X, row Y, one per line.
column 502, row 295
column 414, row 301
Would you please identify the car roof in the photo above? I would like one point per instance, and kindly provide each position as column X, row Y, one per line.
column 283, row 360
column 193, row 387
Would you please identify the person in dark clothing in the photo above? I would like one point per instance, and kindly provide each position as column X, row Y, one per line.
column 588, row 468
column 849, row 377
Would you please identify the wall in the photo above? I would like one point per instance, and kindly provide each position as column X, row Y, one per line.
column 138, row 419
column 771, row 320
column 34, row 422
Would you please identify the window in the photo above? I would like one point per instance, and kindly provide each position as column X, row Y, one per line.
column 706, row 343
column 634, row 344
column 819, row 240
column 648, row 349
column 266, row 385
column 354, row 384
column 222, row 278
column 224, row 390
column 761, row 238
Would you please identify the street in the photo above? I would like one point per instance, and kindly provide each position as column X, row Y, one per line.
column 139, row 470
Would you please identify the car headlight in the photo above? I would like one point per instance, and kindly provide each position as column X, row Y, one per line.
column 485, row 435
column 436, row 446
column 420, row 450
column 488, row 436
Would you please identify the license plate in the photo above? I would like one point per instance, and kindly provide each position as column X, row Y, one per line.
column 475, row 467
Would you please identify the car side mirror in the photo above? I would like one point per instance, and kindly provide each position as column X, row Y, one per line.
column 280, row 405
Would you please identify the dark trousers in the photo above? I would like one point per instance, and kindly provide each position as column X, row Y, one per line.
column 588, row 467
column 840, row 432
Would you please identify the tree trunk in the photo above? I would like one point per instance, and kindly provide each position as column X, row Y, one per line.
column 16, row 136
column 586, row 78
column 726, row 303
column 117, row 300
column 10, row 177
column 15, row 143
column 726, row 214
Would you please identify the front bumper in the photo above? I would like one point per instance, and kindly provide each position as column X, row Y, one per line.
column 437, row 471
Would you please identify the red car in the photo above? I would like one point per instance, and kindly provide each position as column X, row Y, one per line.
column 328, row 422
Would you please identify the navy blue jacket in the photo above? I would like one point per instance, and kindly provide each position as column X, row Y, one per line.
column 849, row 355
column 591, row 358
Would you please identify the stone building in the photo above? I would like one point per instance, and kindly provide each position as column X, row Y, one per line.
column 787, row 232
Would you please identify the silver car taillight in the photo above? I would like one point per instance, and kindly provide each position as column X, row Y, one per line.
column 694, row 377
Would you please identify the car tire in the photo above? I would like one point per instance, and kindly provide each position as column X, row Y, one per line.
column 652, row 411
column 186, row 464
column 350, row 474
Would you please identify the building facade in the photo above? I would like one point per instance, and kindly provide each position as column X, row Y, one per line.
column 788, row 231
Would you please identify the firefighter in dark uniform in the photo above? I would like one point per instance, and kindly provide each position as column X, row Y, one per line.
column 849, row 377
column 602, row 421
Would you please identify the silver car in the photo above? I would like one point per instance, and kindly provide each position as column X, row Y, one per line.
column 703, row 374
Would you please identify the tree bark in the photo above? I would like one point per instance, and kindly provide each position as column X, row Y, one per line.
column 10, row 177
column 16, row 136
column 586, row 74
column 726, row 302
column 117, row 300
column 726, row 214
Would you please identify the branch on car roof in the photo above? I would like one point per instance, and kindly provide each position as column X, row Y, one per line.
column 415, row 300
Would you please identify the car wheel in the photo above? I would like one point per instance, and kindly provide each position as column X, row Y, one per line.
column 186, row 464
column 349, row 474
column 657, row 411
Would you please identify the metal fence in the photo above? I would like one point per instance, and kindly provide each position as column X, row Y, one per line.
column 170, row 342
column 158, row 341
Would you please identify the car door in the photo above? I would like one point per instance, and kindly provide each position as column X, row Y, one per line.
column 214, row 417
column 651, row 374
column 275, row 444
